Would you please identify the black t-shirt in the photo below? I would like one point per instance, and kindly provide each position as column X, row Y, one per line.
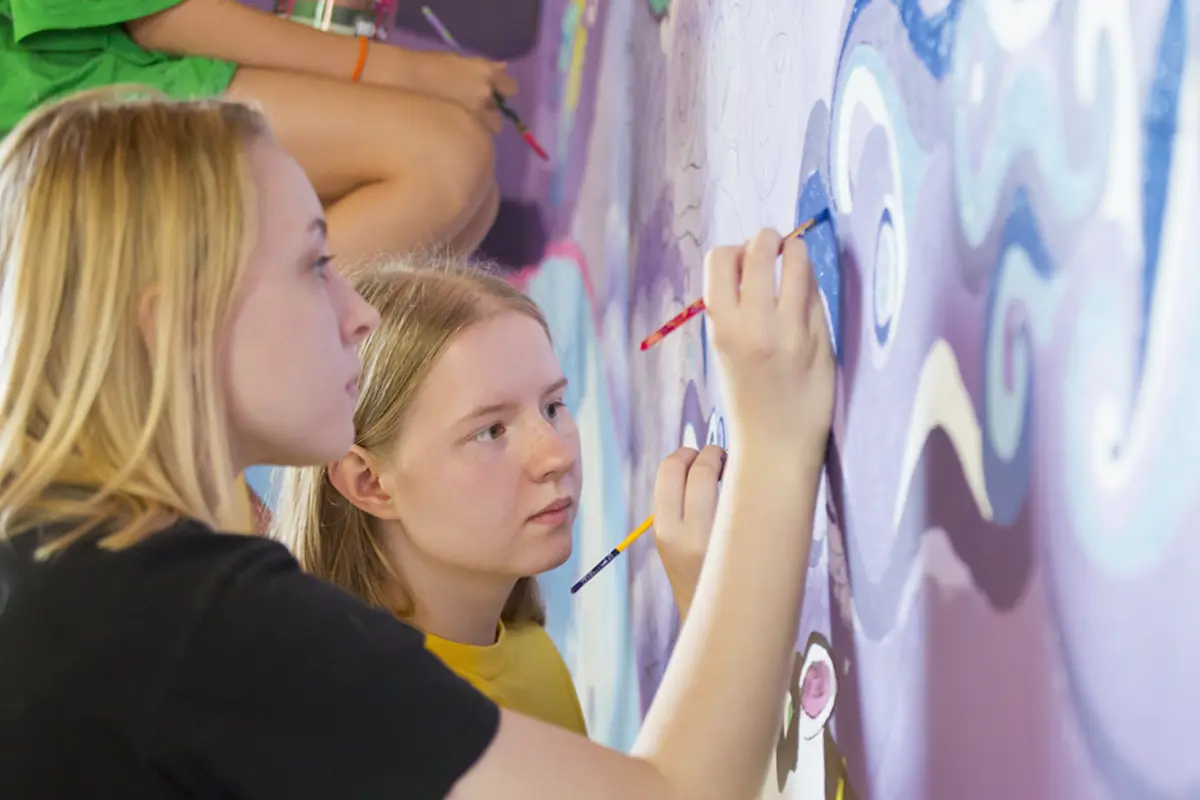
column 201, row 664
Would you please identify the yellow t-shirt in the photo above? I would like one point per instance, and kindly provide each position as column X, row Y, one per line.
column 522, row 671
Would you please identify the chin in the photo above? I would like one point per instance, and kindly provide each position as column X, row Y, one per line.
column 336, row 447
column 556, row 548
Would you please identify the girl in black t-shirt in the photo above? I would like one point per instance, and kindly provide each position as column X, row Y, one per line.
column 167, row 317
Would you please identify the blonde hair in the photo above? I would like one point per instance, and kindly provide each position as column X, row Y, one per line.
column 424, row 306
column 108, row 198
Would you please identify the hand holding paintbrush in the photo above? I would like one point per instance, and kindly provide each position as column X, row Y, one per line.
column 497, row 98
column 696, row 307
column 800, row 318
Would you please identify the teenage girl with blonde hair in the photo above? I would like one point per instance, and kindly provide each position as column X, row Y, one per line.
column 463, row 482
column 438, row 512
column 168, row 317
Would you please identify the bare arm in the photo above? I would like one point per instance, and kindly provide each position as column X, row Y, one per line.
column 710, row 729
column 231, row 31
column 720, row 703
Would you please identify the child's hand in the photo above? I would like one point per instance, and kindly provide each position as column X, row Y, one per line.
column 774, row 351
column 468, row 82
column 685, row 505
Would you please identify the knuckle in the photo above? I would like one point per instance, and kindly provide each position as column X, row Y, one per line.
column 709, row 464
column 759, row 341
column 675, row 466
column 684, row 454
column 795, row 251
column 706, row 471
column 794, row 346
column 670, row 472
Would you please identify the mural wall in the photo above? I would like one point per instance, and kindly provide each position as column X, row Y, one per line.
column 998, row 591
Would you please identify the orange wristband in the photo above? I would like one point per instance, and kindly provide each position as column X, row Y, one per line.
column 362, row 59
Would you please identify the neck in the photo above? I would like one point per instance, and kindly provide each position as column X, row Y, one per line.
column 451, row 603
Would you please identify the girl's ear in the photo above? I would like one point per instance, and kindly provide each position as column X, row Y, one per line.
column 356, row 477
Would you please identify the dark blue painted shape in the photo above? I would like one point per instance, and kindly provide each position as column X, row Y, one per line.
column 1160, row 123
column 823, row 249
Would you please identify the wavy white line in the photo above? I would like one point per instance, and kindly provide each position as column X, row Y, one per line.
column 942, row 401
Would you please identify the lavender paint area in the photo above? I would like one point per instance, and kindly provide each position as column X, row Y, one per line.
column 1000, row 533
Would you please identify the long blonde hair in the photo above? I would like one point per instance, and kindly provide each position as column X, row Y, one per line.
column 423, row 306
column 108, row 198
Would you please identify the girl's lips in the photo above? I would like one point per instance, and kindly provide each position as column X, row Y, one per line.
column 554, row 514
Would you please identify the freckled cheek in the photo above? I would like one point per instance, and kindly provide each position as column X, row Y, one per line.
column 491, row 493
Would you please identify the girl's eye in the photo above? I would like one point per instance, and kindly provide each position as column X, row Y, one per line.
column 490, row 433
column 555, row 408
column 321, row 265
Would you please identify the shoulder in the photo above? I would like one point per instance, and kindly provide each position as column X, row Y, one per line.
column 532, row 645
column 261, row 591
column 160, row 592
column 170, row 577
column 213, row 568
column 289, row 686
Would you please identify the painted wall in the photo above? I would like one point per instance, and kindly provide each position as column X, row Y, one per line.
column 1016, row 187
column 998, row 593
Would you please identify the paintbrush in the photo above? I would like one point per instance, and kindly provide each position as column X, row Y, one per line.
column 625, row 543
column 697, row 307
column 498, row 98
column 616, row 551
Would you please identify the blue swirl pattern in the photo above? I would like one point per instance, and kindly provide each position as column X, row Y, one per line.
column 1067, row 388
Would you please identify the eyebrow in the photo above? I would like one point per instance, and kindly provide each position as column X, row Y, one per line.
column 319, row 226
column 496, row 408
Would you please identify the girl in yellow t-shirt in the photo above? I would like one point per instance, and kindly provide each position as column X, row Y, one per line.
column 463, row 482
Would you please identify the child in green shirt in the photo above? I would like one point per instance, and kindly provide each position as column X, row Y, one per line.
column 396, row 142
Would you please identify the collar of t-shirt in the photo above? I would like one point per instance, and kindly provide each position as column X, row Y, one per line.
column 486, row 661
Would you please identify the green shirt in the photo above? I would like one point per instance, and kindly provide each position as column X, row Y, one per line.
column 50, row 48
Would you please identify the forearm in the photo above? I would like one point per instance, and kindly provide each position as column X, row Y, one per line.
column 718, row 708
column 231, row 31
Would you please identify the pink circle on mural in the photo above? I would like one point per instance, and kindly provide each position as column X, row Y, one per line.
column 818, row 684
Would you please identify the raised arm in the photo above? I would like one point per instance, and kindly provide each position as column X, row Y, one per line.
column 709, row 731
